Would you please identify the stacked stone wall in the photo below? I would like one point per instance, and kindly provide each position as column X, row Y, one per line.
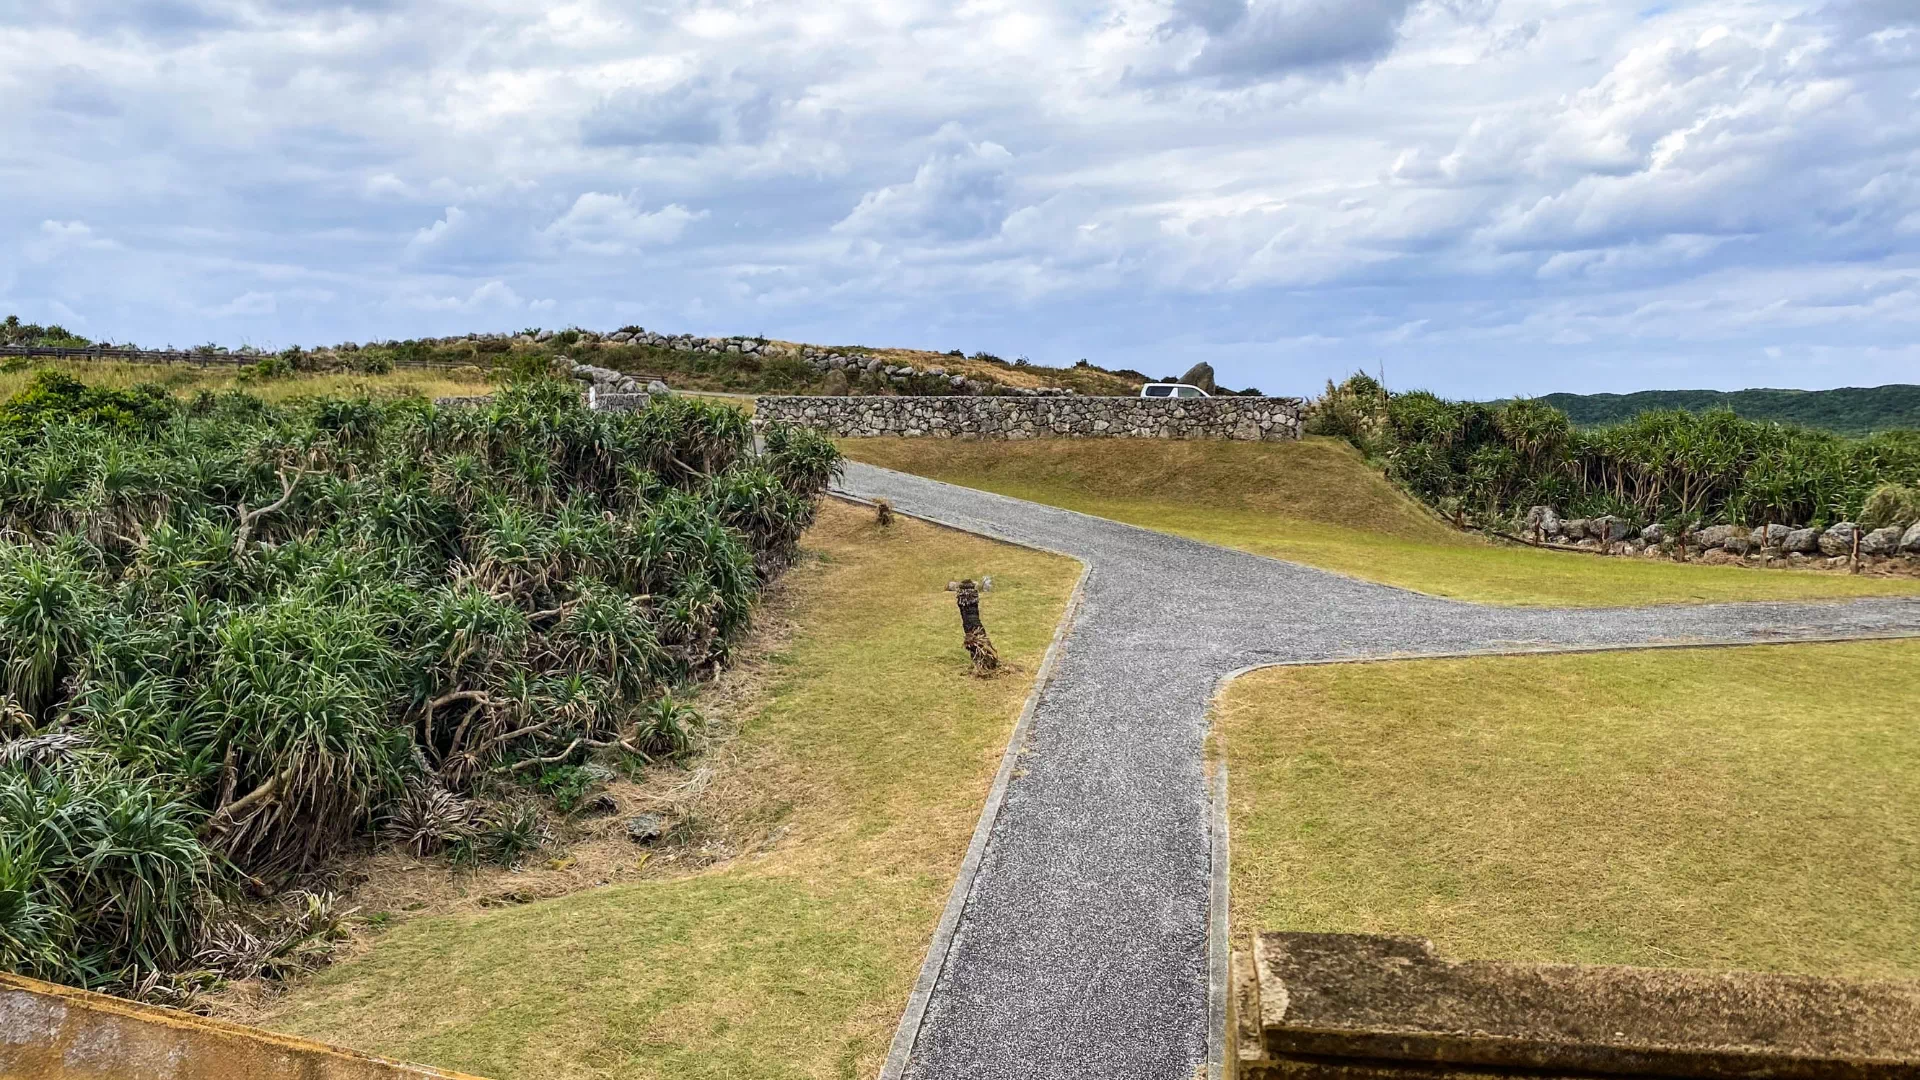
column 993, row 417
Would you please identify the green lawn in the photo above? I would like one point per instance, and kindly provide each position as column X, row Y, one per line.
column 869, row 759
column 1724, row 808
column 1317, row 502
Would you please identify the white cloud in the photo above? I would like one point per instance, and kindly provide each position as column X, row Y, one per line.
column 435, row 234
column 248, row 304
column 602, row 224
column 57, row 238
column 489, row 297
column 958, row 193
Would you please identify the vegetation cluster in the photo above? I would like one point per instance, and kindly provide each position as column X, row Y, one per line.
column 1490, row 462
column 1846, row 410
column 235, row 637
column 15, row 332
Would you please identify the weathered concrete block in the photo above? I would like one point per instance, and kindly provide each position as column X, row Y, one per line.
column 1393, row 1002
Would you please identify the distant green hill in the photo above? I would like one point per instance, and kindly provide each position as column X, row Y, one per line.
column 1850, row 410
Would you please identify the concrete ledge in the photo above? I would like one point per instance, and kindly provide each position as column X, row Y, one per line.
column 1351, row 1005
column 50, row 1032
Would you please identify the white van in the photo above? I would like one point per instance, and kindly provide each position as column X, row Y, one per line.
column 1171, row 389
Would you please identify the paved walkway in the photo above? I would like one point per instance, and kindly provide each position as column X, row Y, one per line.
column 1084, row 937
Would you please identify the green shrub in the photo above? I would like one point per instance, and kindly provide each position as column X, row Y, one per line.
column 273, row 628
column 100, row 869
column 1352, row 410
column 54, row 397
column 1493, row 461
column 1891, row 504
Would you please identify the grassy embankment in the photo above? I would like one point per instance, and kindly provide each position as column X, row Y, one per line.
column 1725, row 808
column 861, row 769
column 1317, row 502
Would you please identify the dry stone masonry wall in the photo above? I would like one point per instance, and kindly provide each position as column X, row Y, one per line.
column 1840, row 544
column 1248, row 419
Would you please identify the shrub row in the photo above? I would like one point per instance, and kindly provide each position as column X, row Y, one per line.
column 1490, row 463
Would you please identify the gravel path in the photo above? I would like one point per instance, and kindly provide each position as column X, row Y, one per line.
column 1084, row 936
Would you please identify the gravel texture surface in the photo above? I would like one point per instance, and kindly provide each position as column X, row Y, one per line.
column 1083, row 948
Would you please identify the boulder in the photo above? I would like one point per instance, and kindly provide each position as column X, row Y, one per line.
column 1910, row 541
column 658, row 388
column 1713, row 536
column 646, row 828
column 1769, row 536
column 1609, row 529
column 1574, row 529
column 1653, row 534
column 1737, row 544
column 1200, row 375
column 1801, row 542
column 1542, row 520
column 621, row 338
column 1881, row 541
column 1838, row 539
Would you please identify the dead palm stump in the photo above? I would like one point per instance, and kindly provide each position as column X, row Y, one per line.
column 979, row 646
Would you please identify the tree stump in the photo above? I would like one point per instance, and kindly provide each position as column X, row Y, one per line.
column 979, row 646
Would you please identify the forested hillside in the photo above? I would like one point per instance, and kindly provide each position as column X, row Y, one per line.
column 1849, row 410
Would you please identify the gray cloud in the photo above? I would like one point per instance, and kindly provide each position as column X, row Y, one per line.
column 1252, row 39
column 698, row 112
column 1645, row 195
column 958, row 193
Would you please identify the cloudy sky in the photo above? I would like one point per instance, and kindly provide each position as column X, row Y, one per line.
column 1483, row 197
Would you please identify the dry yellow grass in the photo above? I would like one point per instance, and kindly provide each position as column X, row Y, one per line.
column 1317, row 501
column 848, row 795
column 185, row 379
column 1721, row 808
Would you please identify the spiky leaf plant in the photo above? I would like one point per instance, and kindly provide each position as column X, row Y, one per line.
column 237, row 635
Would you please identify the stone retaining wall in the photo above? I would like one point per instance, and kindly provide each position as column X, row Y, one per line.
column 50, row 1032
column 1840, row 544
column 1243, row 418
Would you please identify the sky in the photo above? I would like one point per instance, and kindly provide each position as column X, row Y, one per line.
column 1478, row 197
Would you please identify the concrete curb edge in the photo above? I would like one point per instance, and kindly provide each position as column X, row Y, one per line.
column 1219, row 937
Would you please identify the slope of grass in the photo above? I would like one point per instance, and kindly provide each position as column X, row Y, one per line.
column 863, row 770
column 1316, row 501
column 1739, row 808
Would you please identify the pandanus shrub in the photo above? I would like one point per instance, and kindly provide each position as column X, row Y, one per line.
column 1491, row 462
column 266, row 630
